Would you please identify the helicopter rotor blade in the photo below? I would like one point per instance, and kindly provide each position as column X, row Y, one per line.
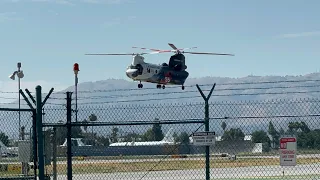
column 114, row 54
column 124, row 54
column 152, row 49
column 173, row 46
column 209, row 53
column 163, row 51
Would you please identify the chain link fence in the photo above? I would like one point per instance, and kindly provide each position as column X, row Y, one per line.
column 155, row 141
column 16, row 132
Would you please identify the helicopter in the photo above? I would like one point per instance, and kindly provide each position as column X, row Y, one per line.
column 171, row 73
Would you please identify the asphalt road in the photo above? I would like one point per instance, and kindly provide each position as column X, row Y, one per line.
column 225, row 173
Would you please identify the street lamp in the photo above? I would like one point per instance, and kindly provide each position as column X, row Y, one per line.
column 20, row 75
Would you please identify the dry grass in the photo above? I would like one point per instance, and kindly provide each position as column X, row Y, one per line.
column 170, row 165
column 173, row 164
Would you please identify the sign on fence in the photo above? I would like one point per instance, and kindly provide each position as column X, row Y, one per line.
column 288, row 151
column 204, row 138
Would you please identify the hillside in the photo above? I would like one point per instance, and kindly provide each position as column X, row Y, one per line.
column 130, row 103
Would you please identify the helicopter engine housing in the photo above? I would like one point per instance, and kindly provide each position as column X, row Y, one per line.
column 177, row 62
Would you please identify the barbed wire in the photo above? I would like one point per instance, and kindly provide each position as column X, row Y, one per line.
column 200, row 85
column 184, row 92
column 218, row 84
column 192, row 91
column 199, row 96
column 175, row 98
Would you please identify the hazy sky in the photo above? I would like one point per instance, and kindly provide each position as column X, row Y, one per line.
column 49, row 36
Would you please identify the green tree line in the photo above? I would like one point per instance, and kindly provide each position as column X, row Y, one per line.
column 306, row 138
column 154, row 133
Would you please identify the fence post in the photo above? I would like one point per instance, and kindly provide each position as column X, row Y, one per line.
column 206, row 123
column 69, row 153
column 35, row 143
column 54, row 153
column 39, row 132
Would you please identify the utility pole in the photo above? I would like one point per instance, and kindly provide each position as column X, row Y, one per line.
column 206, row 123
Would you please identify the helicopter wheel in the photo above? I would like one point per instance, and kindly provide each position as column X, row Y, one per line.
column 140, row 85
column 163, row 86
column 182, row 87
column 158, row 86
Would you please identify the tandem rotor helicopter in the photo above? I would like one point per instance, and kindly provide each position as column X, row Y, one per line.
column 173, row 73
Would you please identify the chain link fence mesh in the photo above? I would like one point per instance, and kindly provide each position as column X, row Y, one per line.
column 246, row 143
column 11, row 138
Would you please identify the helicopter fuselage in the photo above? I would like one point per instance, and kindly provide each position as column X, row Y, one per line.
column 164, row 74
column 173, row 73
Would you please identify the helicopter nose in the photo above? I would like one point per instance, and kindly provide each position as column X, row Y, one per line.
column 131, row 73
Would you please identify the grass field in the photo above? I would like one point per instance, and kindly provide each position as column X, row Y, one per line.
column 123, row 166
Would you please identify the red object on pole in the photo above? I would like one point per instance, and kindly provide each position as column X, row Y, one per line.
column 76, row 68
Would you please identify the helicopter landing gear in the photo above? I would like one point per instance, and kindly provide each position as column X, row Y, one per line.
column 140, row 85
column 182, row 87
column 159, row 86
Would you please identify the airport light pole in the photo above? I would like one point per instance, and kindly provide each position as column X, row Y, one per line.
column 76, row 70
column 20, row 75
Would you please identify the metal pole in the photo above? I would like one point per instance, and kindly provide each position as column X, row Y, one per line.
column 76, row 71
column 206, row 124
column 19, row 107
column 19, row 66
column 76, row 89
column 54, row 154
column 40, row 133
column 69, row 153
column 35, row 154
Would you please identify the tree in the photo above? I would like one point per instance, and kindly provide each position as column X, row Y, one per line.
column 92, row 118
column 175, row 137
column 131, row 137
column 157, row 131
column 102, row 141
column 233, row 135
column 4, row 139
column 61, row 133
column 274, row 134
column 153, row 134
column 282, row 132
column 304, row 127
column 224, row 126
column 85, row 128
column 184, row 138
column 114, row 135
column 262, row 137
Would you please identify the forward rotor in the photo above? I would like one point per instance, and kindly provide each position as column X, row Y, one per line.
column 181, row 50
column 123, row 54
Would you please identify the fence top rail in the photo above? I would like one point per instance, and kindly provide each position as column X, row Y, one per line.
column 124, row 123
column 15, row 109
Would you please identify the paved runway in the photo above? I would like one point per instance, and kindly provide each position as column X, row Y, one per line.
column 217, row 173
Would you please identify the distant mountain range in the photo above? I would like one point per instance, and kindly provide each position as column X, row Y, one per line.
column 120, row 100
